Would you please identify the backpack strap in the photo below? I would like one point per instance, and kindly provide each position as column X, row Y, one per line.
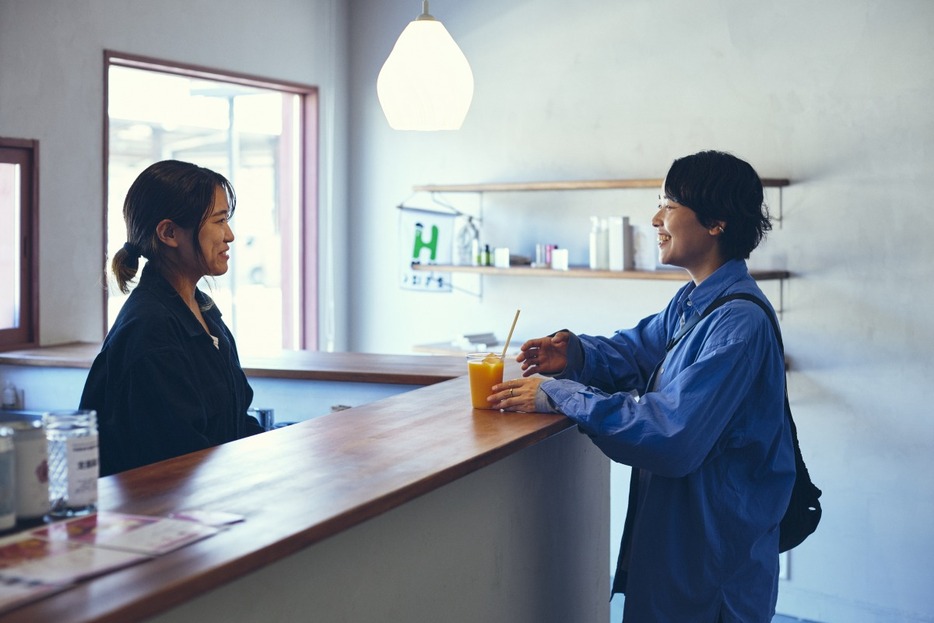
column 804, row 510
column 804, row 489
column 754, row 299
column 690, row 324
column 722, row 301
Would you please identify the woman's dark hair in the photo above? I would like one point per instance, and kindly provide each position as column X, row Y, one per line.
column 179, row 191
column 718, row 186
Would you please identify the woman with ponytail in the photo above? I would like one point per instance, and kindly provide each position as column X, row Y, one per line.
column 168, row 379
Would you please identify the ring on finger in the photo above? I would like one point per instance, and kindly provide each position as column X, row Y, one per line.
column 512, row 392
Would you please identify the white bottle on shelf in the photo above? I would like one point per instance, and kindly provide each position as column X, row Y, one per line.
column 599, row 251
column 620, row 243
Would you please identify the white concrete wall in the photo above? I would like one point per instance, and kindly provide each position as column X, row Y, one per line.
column 834, row 95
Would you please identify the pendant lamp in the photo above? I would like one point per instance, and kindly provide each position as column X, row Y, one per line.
column 426, row 83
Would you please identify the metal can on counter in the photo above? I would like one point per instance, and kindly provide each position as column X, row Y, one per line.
column 32, row 470
column 7, row 479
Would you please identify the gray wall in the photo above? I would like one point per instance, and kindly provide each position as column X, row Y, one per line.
column 834, row 95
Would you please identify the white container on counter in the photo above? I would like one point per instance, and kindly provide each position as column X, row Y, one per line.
column 32, row 470
column 7, row 479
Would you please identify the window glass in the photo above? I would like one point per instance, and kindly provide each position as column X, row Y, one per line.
column 10, row 252
column 253, row 135
column 18, row 246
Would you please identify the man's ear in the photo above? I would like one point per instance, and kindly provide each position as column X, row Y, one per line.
column 167, row 232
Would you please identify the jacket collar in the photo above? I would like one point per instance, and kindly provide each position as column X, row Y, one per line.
column 153, row 281
column 698, row 298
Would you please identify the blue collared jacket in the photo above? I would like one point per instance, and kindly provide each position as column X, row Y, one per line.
column 710, row 447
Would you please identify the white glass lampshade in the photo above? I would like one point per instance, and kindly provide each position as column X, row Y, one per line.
column 426, row 83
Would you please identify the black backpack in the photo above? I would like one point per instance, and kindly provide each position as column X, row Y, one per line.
column 804, row 510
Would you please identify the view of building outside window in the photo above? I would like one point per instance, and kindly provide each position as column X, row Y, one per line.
column 10, row 252
column 250, row 135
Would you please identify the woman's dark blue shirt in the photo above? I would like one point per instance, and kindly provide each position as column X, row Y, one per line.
column 160, row 386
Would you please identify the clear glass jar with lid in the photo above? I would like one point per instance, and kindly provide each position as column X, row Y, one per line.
column 73, row 462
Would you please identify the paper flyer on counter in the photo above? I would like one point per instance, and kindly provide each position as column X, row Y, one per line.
column 14, row 593
column 47, row 560
column 133, row 533
column 27, row 558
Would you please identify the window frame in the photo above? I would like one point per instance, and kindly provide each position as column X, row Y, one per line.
column 306, row 255
column 25, row 152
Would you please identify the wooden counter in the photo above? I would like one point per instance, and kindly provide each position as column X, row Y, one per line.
column 298, row 486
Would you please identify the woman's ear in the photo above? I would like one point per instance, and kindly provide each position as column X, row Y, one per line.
column 167, row 232
column 718, row 228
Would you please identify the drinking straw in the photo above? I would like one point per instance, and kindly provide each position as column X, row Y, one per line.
column 509, row 337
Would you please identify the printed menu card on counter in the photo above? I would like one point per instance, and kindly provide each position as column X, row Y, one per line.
column 29, row 558
column 15, row 593
column 50, row 559
column 133, row 533
column 31, row 567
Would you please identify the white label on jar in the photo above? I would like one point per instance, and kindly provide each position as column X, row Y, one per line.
column 83, row 470
column 32, row 474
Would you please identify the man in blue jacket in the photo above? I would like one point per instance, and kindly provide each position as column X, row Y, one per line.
column 703, row 425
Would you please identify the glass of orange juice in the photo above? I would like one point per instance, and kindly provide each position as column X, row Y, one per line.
column 485, row 370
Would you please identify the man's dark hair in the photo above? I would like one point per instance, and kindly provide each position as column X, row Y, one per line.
column 718, row 186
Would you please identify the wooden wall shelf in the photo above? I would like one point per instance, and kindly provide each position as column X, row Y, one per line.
column 584, row 273
column 580, row 272
column 568, row 185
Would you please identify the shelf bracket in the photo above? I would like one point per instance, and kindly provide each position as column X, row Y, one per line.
column 478, row 295
column 778, row 219
column 781, row 299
